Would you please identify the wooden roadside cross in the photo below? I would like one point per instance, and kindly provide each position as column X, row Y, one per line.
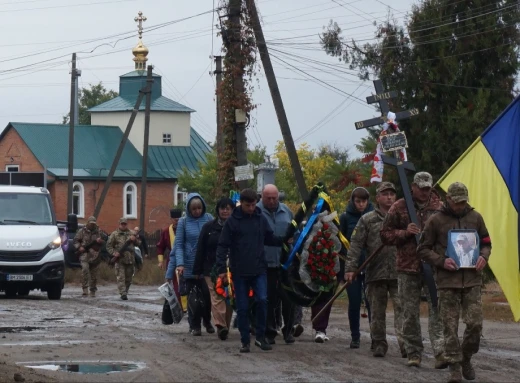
column 382, row 96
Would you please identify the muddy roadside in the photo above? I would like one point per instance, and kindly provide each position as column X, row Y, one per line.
column 103, row 333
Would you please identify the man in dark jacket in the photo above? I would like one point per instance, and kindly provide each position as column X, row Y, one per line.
column 243, row 237
column 459, row 288
column 398, row 231
column 358, row 206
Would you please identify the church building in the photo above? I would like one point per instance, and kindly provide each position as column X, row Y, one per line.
column 173, row 145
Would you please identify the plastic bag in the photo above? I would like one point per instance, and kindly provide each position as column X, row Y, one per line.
column 166, row 317
column 167, row 292
column 138, row 257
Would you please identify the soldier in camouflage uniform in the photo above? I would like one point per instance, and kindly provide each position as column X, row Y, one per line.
column 459, row 288
column 124, row 264
column 397, row 230
column 380, row 275
column 89, row 236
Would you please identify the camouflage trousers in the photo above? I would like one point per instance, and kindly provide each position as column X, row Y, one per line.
column 377, row 294
column 410, row 287
column 124, row 275
column 451, row 303
column 89, row 275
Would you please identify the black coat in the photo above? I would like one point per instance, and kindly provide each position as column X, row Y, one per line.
column 244, row 237
column 206, row 256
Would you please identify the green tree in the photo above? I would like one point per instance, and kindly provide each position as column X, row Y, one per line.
column 455, row 61
column 88, row 98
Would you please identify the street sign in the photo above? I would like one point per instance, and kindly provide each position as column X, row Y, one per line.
column 394, row 141
column 244, row 173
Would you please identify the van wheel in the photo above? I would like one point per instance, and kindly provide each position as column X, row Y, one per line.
column 23, row 291
column 54, row 291
column 10, row 291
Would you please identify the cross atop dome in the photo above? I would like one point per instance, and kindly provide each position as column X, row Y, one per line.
column 140, row 51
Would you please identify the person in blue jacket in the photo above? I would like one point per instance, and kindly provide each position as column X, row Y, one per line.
column 243, row 237
column 185, row 250
column 358, row 205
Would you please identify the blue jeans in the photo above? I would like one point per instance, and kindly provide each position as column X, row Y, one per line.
column 259, row 285
column 355, row 293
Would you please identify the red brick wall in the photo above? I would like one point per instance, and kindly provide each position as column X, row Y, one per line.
column 159, row 200
column 159, row 195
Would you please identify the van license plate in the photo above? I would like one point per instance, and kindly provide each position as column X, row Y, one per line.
column 17, row 277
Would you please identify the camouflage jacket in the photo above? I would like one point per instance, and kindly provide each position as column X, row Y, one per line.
column 116, row 241
column 85, row 237
column 434, row 241
column 367, row 235
column 394, row 233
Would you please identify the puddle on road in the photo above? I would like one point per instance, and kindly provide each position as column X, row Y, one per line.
column 88, row 367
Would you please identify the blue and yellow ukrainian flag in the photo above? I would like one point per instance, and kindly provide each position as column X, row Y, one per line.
column 490, row 168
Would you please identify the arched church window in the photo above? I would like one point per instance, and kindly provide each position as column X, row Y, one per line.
column 78, row 199
column 130, row 200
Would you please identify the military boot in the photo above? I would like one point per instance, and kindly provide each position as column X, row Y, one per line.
column 455, row 375
column 468, row 372
column 440, row 362
column 85, row 293
column 414, row 360
column 92, row 294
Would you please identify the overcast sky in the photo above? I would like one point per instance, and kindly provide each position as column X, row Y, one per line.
column 39, row 36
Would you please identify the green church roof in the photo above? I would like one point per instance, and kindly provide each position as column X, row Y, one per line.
column 129, row 86
column 170, row 160
column 94, row 151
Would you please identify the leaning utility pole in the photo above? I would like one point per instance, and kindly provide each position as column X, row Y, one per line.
column 74, row 74
column 234, row 53
column 220, row 134
column 277, row 99
column 149, row 82
column 142, row 92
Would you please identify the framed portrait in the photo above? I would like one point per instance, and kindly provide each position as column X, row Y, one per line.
column 463, row 247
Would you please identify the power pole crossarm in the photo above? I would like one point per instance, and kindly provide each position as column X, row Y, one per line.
column 277, row 99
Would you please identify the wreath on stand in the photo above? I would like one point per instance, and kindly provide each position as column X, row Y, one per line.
column 309, row 268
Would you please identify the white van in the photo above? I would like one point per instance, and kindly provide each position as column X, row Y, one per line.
column 31, row 256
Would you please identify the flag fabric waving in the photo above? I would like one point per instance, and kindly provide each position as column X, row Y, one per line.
column 490, row 168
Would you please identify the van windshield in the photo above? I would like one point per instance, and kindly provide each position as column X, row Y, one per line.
column 24, row 209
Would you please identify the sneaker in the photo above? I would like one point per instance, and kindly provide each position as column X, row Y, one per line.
column 468, row 372
column 124, row 297
column 379, row 352
column 440, row 362
column 245, row 347
column 298, row 330
column 354, row 343
column 455, row 375
column 222, row 333
column 196, row 332
column 210, row 329
column 321, row 337
column 414, row 361
column 263, row 344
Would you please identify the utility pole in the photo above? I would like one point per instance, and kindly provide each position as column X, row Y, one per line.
column 277, row 99
column 149, row 82
column 234, row 52
column 113, row 168
column 74, row 74
column 220, row 134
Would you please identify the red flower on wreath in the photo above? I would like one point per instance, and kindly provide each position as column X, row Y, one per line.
column 321, row 259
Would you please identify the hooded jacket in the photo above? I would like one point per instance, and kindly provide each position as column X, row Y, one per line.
column 187, row 237
column 349, row 219
column 279, row 221
column 244, row 237
column 434, row 242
